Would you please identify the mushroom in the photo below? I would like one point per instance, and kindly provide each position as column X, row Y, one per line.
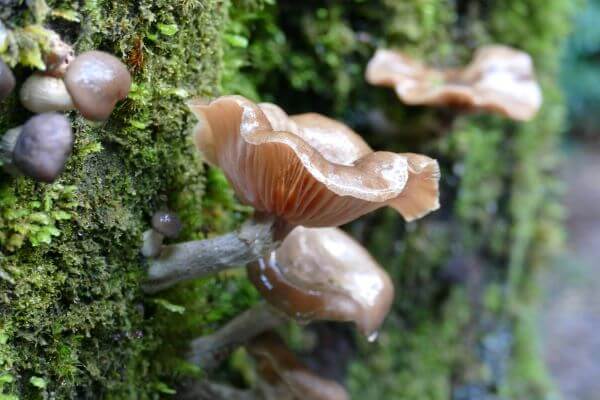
column 324, row 274
column 41, row 147
column 7, row 81
column 302, row 170
column 316, row 274
column 283, row 376
column 96, row 82
column 499, row 80
column 58, row 57
column 164, row 223
column 43, row 93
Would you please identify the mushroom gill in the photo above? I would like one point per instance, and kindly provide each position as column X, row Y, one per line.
column 283, row 376
column 499, row 79
column 308, row 169
column 324, row 274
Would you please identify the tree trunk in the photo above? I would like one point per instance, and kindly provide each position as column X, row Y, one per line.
column 74, row 321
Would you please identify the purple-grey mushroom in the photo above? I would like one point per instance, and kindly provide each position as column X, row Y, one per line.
column 43, row 146
column 97, row 81
column 7, row 80
column 44, row 93
column 164, row 223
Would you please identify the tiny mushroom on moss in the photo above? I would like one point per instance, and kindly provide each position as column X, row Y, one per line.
column 283, row 376
column 42, row 93
column 304, row 170
column 41, row 147
column 7, row 80
column 499, row 80
column 164, row 223
column 57, row 57
column 316, row 274
column 97, row 81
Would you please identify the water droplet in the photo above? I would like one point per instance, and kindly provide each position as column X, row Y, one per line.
column 373, row 337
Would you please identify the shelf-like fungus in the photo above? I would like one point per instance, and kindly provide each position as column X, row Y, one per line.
column 164, row 224
column 41, row 147
column 499, row 79
column 283, row 376
column 7, row 81
column 44, row 93
column 316, row 274
column 324, row 274
column 304, row 170
column 96, row 82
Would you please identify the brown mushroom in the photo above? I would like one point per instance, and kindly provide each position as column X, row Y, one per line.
column 499, row 80
column 316, row 274
column 283, row 376
column 96, row 82
column 7, row 81
column 308, row 169
column 304, row 170
column 324, row 274
column 57, row 57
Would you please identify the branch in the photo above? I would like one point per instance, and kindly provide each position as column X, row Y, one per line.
column 189, row 260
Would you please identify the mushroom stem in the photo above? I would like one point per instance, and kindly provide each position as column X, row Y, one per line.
column 207, row 351
column 198, row 258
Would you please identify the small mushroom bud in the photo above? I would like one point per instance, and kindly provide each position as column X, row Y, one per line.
column 42, row 93
column 97, row 81
column 283, row 376
column 324, row 274
column 58, row 57
column 7, row 146
column 7, row 81
column 164, row 223
column 42, row 148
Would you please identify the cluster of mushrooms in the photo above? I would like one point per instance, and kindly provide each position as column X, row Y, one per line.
column 305, row 175
column 92, row 83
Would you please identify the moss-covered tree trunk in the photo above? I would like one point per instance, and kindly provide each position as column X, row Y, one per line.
column 74, row 323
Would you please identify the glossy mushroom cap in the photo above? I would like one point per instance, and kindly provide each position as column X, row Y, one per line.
column 42, row 93
column 7, row 81
column 324, row 274
column 43, row 146
column 308, row 169
column 287, row 377
column 499, row 79
column 166, row 223
column 96, row 82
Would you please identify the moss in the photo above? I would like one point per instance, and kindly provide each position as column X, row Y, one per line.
column 74, row 323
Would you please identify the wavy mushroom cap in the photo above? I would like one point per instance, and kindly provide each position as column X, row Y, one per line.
column 308, row 169
column 286, row 376
column 324, row 274
column 499, row 79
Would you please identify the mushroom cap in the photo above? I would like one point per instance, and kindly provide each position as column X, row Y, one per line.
column 166, row 223
column 97, row 81
column 279, row 368
column 7, row 81
column 324, row 274
column 44, row 146
column 499, row 79
column 42, row 93
column 58, row 57
column 308, row 169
